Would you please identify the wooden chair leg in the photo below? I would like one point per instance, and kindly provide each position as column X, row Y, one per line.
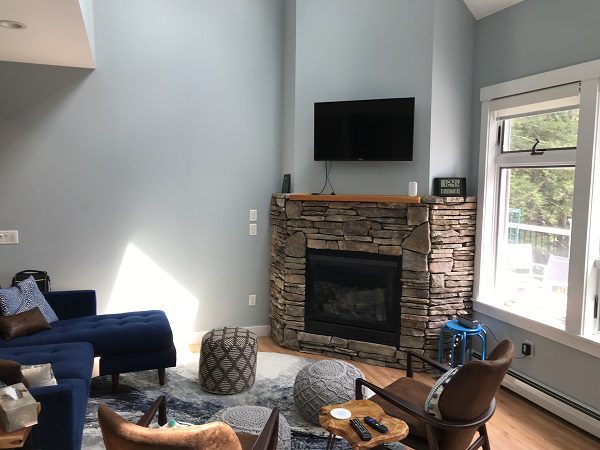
column 486, row 441
column 161, row 376
column 115, row 382
column 432, row 439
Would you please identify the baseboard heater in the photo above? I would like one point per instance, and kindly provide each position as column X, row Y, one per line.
column 565, row 407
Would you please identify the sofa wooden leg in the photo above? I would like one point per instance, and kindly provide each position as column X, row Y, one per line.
column 115, row 382
column 161, row 376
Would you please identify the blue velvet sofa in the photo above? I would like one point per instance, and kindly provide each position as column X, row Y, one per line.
column 125, row 342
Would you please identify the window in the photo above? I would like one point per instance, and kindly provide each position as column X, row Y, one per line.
column 537, row 243
column 552, row 131
column 535, row 206
column 533, row 241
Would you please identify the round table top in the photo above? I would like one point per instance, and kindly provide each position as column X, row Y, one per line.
column 398, row 429
column 454, row 325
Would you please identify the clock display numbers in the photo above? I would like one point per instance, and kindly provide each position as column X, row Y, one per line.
column 450, row 187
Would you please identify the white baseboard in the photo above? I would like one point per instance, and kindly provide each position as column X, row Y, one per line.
column 259, row 330
column 566, row 412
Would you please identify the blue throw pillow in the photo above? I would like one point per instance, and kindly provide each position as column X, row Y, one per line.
column 23, row 297
column 10, row 300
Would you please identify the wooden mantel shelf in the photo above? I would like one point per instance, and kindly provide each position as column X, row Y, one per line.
column 355, row 198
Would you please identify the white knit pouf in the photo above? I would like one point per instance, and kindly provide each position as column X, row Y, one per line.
column 251, row 420
column 327, row 382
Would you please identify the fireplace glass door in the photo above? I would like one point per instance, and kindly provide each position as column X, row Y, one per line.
column 354, row 295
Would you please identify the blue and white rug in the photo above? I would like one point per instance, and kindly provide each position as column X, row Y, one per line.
column 186, row 402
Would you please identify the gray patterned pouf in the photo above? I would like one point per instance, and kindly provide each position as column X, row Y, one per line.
column 252, row 419
column 323, row 383
column 228, row 360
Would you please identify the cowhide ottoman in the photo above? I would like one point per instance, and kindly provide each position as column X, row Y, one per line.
column 327, row 382
column 228, row 360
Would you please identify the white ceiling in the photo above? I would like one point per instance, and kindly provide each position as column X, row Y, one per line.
column 56, row 33
column 484, row 8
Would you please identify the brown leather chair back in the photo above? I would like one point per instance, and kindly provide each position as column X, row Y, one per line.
column 120, row 434
column 470, row 392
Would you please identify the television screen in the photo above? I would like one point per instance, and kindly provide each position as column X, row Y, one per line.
column 365, row 130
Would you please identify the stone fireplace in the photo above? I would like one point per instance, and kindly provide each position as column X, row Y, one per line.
column 425, row 246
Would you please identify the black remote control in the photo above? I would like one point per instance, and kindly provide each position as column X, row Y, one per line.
column 377, row 425
column 360, row 429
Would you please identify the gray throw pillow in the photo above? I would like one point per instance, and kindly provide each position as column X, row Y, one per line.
column 25, row 296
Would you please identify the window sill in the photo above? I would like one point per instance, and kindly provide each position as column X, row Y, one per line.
column 585, row 344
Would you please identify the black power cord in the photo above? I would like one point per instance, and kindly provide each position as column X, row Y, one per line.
column 328, row 165
column 496, row 339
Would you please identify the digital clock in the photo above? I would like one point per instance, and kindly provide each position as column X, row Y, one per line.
column 450, row 187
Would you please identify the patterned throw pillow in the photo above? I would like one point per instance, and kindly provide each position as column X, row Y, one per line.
column 9, row 300
column 24, row 297
column 431, row 404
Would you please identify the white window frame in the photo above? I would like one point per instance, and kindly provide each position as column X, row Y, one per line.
column 585, row 243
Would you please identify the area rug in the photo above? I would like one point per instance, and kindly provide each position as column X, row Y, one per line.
column 186, row 402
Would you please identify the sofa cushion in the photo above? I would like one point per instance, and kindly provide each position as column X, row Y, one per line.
column 23, row 324
column 110, row 334
column 25, row 296
column 69, row 360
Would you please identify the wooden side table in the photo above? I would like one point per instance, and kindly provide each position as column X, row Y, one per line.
column 19, row 438
column 398, row 429
column 14, row 439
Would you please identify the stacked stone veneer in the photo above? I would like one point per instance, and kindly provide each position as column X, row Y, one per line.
column 436, row 239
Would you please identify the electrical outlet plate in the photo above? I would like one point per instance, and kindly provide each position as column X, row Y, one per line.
column 530, row 347
column 9, row 237
column 253, row 215
column 252, row 229
column 252, row 300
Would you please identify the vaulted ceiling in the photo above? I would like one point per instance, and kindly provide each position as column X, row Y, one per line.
column 60, row 32
column 484, row 8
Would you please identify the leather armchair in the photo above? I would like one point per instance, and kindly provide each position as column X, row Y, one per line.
column 119, row 434
column 466, row 403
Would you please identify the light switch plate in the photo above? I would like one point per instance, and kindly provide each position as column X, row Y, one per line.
column 9, row 237
column 252, row 229
column 253, row 215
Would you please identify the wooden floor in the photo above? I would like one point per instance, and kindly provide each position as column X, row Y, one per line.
column 517, row 424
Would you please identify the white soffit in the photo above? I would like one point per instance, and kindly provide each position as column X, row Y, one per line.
column 56, row 33
column 484, row 8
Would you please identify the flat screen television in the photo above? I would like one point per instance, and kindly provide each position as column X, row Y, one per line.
column 365, row 130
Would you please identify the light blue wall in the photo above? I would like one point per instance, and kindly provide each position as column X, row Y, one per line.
column 166, row 145
column 452, row 86
column 567, row 370
column 532, row 37
column 289, row 86
column 362, row 49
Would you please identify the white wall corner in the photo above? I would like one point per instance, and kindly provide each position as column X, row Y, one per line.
column 87, row 12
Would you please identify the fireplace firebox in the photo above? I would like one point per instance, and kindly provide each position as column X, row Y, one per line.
column 353, row 295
